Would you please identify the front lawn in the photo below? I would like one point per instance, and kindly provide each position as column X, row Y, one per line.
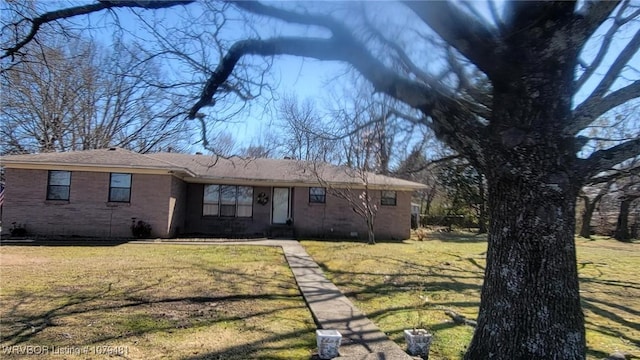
column 151, row 302
column 413, row 283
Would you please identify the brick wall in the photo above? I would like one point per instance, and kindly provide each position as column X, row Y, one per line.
column 177, row 207
column 336, row 218
column 88, row 212
column 173, row 207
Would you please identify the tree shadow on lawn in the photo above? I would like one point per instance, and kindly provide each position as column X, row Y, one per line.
column 65, row 241
column 143, row 308
column 613, row 283
column 453, row 237
column 597, row 307
column 445, row 286
column 456, row 237
column 457, row 279
column 27, row 327
column 252, row 349
column 460, row 278
column 356, row 240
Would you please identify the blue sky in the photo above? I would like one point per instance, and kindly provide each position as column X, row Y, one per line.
column 293, row 75
column 307, row 78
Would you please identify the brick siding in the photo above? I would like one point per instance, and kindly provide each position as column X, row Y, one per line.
column 336, row 218
column 173, row 207
column 88, row 212
column 177, row 207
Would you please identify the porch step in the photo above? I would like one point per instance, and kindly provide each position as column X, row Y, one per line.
column 281, row 231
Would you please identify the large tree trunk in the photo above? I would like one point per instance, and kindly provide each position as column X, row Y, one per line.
column 622, row 226
column 530, row 303
column 587, row 215
column 530, row 306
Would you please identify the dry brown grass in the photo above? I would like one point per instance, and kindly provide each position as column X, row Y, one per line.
column 152, row 302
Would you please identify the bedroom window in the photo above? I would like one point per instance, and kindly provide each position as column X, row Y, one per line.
column 388, row 198
column 120, row 187
column 58, row 185
column 317, row 195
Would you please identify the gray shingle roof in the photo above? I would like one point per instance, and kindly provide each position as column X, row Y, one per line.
column 100, row 157
column 206, row 168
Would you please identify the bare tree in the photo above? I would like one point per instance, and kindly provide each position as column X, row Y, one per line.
column 307, row 138
column 629, row 192
column 422, row 165
column 357, row 191
column 77, row 95
column 602, row 133
column 507, row 108
column 465, row 189
column 591, row 197
column 303, row 132
column 606, row 185
column 265, row 145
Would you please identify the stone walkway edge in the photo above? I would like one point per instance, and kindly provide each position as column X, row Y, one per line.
column 361, row 338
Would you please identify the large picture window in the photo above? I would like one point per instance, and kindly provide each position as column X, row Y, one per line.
column 120, row 187
column 58, row 185
column 317, row 195
column 388, row 198
column 227, row 201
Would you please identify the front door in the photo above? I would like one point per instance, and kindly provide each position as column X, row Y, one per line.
column 280, row 202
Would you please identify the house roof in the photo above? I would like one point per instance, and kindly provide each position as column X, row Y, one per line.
column 111, row 157
column 209, row 169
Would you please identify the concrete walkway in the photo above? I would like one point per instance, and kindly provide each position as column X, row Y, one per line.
column 361, row 339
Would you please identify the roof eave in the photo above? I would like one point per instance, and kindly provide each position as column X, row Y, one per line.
column 39, row 165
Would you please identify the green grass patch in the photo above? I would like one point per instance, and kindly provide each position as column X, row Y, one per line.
column 152, row 302
column 411, row 284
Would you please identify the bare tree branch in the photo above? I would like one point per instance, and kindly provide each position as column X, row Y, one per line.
column 614, row 71
column 591, row 109
column 404, row 59
column 607, row 40
column 496, row 16
column 433, row 163
column 606, row 159
column 614, row 175
column 594, row 13
column 468, row 35
column 83, row 10
column 451, row 121
column 481, row 104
